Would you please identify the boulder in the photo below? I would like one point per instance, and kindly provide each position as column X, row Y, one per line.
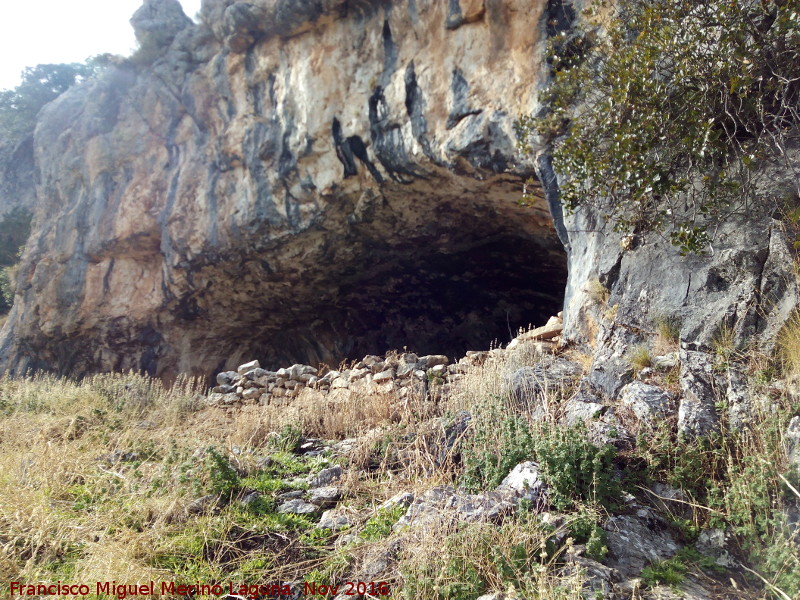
column 297, row 507
column 648, row 402
column 634, row 541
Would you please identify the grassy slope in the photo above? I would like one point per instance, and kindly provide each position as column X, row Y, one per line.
column 100, row 481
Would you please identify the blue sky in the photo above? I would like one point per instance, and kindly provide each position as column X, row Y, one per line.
column 59, row 31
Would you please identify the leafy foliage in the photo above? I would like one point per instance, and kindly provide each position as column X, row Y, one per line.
column 40, row 84
column 574, row 469
column 15, row 227
column 659, row 120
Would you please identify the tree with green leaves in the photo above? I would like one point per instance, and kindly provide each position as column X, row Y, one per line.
column 662, row 111
column 40, row 84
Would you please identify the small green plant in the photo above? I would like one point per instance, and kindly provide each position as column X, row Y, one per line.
column 574, row 469
column 724, row 342
column 673, row 571
column 585, row 529
column 670, row 572
column 288, row 439
column 223, row 478
column 380, row 525
column 489, row 457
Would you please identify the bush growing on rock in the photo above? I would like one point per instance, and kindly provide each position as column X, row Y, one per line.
column 659, row 115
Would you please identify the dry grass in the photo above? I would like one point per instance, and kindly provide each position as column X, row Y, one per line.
column 445, row 561
column 788, row 347
column 667, row 338
column 57, row 443
column 640, row 357
column 597, row 292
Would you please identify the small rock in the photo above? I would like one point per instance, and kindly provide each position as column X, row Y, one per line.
column 339, row 383
column 543, row 333
column 439, row 370
column 383, row 376
column 252, row 393
column 334, row 520
column 667, row 361
column 325, row 476
column 712, row 543
column 581, row 408
column 434, row 360
column 401, row 499
column 793, row 441
column 226, row 377
column 223, row 389
column 297, row 507
column 525, row 482
column 291, row 495
column 325, row 497
column 254, row 374
column 250, row 498
column 648, row 402
column 203, row 505
column 265, row 462
column 254, row 364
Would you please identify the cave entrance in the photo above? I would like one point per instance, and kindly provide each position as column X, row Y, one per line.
column 434, row 268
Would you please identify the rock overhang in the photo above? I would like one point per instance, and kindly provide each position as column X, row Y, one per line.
column 348, row 189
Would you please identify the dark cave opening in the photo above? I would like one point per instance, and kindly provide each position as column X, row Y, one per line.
column 437, row 266
column 431, row 302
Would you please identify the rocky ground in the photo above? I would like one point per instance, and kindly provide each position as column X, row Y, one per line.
column 501, row 475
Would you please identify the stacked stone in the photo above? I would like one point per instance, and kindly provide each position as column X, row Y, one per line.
column 250, row 384
column 406, row 375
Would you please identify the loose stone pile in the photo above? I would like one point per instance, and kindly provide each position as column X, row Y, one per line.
column 404, row 374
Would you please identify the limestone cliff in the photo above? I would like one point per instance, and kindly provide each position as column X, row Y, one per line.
column 308, row 181
column 293, row 180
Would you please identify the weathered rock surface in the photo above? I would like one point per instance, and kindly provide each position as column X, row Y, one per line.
column 634, row 541
column 697, row 411
column 298, row 181
column 648, row 402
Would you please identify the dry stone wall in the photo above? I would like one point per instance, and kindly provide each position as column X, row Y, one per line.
column 402, row 374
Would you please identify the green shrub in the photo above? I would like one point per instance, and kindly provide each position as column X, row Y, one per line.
column 380, row 525
column 223, row 478
column 660, row 119
column 288, row 439
column 490, row 455
column 575, row 470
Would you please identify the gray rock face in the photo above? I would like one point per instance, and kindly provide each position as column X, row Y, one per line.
column 634, row 541
column 580, row 408
column 648, row 402
column 697, row 412
column 301, row 181
column 444, row 504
